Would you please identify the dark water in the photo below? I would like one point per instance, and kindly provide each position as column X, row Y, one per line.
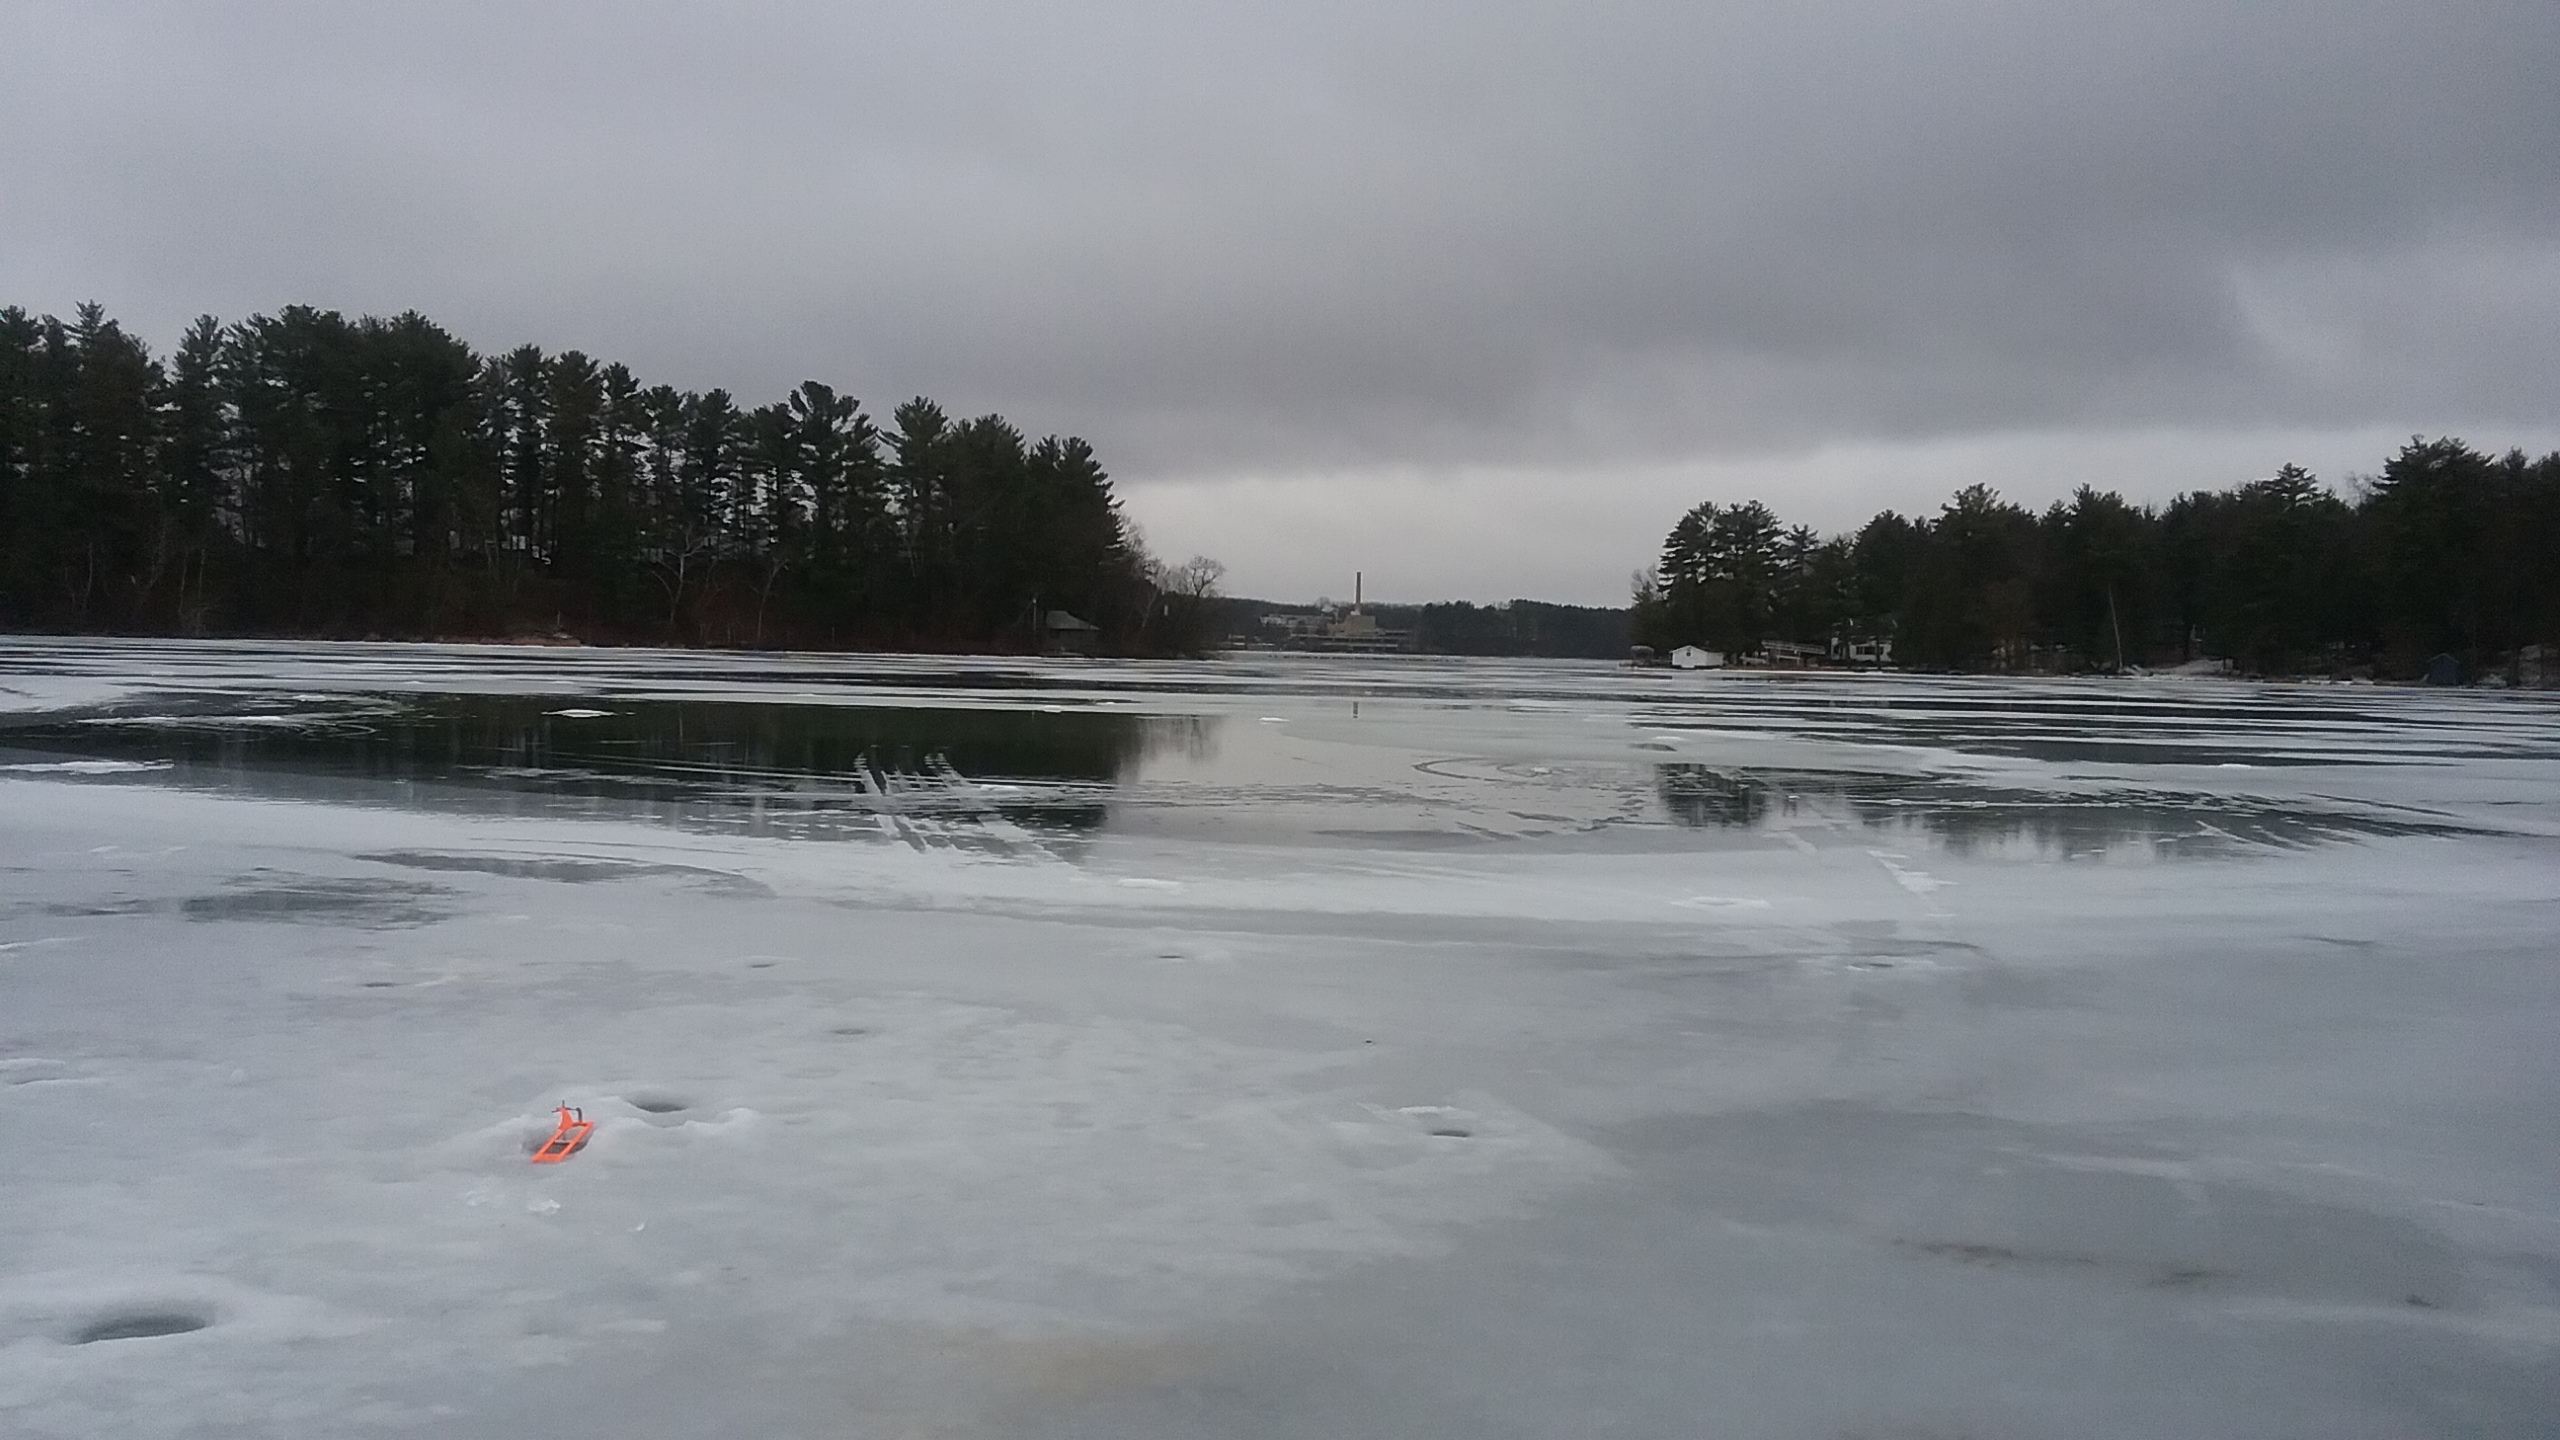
column 1446, row 755
column 763, row 766
column 1967, row 815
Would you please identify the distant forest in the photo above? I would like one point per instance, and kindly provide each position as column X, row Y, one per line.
column 2447, row 551
column 1521, row 627
column 1460, row 627
column 303, row 473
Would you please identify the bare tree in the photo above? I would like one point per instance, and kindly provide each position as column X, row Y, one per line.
column 1184, row 594
column 675, row 562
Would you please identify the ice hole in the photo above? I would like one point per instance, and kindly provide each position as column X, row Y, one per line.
column 657, row 1104
column 138, row 1325
column 1454, row 1134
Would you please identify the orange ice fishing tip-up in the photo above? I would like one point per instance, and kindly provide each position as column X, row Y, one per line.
column 573, row 1130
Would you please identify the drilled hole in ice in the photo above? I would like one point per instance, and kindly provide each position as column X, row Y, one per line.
column 657, row 1104
column 138, row 1325
column 1454, row 1134
column 381, row 984
column 848, row 1030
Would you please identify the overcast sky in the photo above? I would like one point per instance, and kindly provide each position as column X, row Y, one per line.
column 1473, row 297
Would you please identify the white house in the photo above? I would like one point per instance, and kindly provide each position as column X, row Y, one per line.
column 1691, row 657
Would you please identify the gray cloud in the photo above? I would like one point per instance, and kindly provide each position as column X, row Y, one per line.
column 1590, row 244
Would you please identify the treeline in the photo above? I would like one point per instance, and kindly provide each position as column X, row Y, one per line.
column 1521, row 627
column 304, row 473
column 1461, row 627
column 2447, row 551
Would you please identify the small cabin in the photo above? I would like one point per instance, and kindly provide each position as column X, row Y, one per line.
column 1696, row 657
column 1868, row 652
column 1064, row 634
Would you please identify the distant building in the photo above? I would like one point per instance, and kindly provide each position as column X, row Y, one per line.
column 1866, row 652
column 1287, row 625
column 1354, row 632
column 1788, row 655
column 1064, row 634
column 1696, row 657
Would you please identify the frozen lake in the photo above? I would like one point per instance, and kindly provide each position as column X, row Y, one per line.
column 1266, row 1048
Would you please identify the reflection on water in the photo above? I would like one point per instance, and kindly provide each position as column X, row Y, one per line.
column 1966, row 816
column 753, row 767
column 1704, row 798
column 1023, row 757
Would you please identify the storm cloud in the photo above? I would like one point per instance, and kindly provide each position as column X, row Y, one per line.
column 1473, row 296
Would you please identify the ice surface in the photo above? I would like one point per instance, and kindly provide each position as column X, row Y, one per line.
column 1483, row 1049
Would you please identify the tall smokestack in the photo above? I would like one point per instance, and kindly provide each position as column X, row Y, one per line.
column 1355, row 591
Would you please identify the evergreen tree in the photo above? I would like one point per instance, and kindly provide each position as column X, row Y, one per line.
column 302, row 472
column 2448, row 550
